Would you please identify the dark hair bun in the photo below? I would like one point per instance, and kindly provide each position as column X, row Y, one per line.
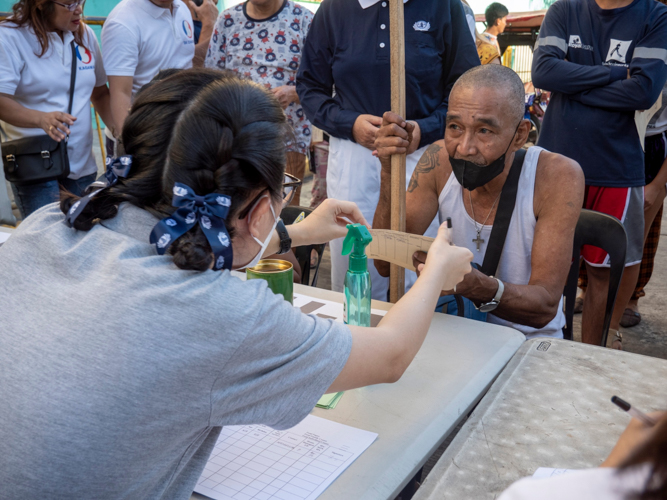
column 192, row 251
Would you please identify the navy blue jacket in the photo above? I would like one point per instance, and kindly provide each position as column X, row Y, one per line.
column 583, row 57
column 348, row 47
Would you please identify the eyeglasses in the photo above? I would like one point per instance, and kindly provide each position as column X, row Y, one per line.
column 70, row 6
column 290, row 185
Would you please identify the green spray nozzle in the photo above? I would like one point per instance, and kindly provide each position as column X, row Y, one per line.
column 358, row 237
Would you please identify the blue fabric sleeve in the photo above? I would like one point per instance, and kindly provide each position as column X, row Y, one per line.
column 314, row 81
column 460, row 57
column 648, row 73
column 550, row 71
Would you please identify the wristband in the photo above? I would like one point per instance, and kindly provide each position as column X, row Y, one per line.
column 285, row 240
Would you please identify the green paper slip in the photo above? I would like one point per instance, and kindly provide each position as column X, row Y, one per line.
column 329, row 401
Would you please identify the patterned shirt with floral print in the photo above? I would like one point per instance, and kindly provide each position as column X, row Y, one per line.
column 267, row 51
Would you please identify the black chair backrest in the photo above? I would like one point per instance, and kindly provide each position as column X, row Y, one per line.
column 302, row 254
column 602, row 231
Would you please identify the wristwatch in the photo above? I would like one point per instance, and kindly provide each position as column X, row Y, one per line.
column 285, row 240
column 490, row 306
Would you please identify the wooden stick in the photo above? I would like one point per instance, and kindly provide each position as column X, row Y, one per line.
column 100, row 136
column 397, row 64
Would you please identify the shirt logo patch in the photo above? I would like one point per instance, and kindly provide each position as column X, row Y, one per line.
column 83, row 55
column 187, row 29
column 422, row 26
column 618, row 49
column 576, row 43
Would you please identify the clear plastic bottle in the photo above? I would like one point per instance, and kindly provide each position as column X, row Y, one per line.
column 357, row 306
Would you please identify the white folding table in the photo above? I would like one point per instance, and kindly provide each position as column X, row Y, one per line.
column 454, row 368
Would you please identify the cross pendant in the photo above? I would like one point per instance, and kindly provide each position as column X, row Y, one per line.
column 478, row 241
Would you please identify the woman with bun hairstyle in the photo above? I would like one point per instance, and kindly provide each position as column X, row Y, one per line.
column 122, row 359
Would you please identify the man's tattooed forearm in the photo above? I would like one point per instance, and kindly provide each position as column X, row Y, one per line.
column 429, row 160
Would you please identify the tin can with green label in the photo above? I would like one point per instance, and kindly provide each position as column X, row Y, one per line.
column 279, row 275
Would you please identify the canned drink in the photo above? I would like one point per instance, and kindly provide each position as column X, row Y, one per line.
column 279, row 275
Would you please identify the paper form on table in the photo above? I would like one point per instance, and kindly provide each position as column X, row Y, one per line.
column 255, row 461
column 396, row 247
column 643, row 117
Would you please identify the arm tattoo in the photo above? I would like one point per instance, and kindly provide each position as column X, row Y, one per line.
column 429, row 160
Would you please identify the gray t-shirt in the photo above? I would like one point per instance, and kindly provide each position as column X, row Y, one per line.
column 117, row 369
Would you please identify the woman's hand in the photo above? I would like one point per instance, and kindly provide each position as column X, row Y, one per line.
column 452, row 263
column 635, row 435
column 327, row 222
column 286, row 95
column 56, row 124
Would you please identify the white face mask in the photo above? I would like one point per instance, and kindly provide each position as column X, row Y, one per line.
column 267, row 240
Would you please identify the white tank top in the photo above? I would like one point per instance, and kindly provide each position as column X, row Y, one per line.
column 515, row 261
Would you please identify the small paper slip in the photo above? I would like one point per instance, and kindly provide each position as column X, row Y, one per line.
column 396, row 247
column 328, row 309
column 329, row 401
column 544, row 472
column 255, row 461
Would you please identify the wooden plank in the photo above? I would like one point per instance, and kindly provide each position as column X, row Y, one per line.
column 397, row 64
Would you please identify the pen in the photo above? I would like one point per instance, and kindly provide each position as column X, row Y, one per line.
column 635, row 413
column 449, row 226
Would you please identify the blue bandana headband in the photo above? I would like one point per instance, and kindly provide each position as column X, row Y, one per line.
column 116, row 168
column 210, row 211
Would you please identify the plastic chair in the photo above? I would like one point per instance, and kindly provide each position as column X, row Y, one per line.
column 289, row 215
column 606, row 232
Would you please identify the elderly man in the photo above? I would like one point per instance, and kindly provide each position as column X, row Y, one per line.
column 343, row 84
column 462, row 177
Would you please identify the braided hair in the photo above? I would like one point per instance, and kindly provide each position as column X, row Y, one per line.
column 204, row 128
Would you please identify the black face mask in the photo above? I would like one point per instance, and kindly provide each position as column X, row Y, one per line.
column 471, row 175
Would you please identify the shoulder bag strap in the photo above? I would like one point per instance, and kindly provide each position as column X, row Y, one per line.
column 503, row 216
column 72, row 79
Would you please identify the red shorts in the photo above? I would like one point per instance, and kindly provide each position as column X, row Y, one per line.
column 627, row 205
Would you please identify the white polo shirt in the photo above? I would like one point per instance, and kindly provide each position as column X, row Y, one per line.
column 139, row 39
column 42, row 84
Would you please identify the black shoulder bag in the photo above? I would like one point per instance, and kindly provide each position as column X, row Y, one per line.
column 494, row 249
column 36, row 159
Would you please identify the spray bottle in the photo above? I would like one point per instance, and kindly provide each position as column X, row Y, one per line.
column 357, row 306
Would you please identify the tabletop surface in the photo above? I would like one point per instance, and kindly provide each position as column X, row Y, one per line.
column 457, row 363
column 550, row 407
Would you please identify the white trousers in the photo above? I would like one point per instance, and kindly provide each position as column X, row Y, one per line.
column 353, row 174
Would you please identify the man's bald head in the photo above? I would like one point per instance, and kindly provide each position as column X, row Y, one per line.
column 504, row 81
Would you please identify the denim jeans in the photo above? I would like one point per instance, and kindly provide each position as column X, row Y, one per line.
column 34, row 196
